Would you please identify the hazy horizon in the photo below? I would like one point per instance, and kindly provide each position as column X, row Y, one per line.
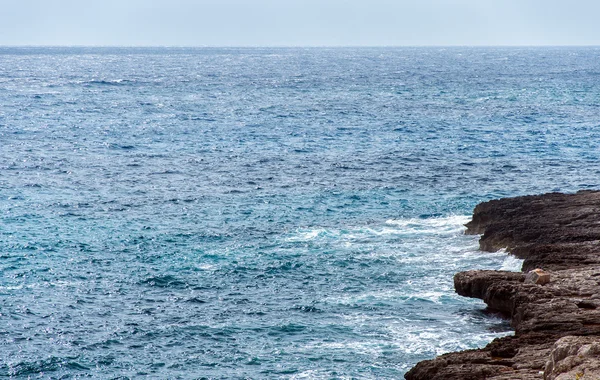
column 299, row 23
column 296, row 46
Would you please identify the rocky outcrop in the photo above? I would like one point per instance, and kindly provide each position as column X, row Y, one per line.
column 574, row 357
column 554, row 306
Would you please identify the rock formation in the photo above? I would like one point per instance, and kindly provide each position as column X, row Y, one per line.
column 554, row 306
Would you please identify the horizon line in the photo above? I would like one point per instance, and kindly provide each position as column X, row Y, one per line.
column 299, row 46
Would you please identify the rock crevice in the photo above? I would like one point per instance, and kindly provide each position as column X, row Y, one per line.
column 555, row 311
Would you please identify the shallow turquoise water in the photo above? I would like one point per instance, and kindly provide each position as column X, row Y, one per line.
column 267, row 213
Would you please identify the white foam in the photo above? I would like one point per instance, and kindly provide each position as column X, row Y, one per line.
column 438, row 341
column 511, row 263
column 310, row 374
column 306, row 235
column 433, row 249
column 399, row 295
column 400, row 227
column 207, row 267
column 436, row 222
column 318, row 374
column 372, row 348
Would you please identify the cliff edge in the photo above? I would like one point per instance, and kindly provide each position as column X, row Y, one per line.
column 555, row 311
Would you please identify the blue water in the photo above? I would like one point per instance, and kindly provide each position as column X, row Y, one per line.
column 268, row 213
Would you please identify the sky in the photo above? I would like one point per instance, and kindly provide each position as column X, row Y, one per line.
column 299, row 22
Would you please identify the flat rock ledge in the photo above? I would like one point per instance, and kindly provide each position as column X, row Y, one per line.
column 557, row 320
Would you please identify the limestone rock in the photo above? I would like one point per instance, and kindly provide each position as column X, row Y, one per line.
column 574, row 357
column 557, row 325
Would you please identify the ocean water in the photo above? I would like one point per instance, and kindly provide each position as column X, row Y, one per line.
column 268, row 213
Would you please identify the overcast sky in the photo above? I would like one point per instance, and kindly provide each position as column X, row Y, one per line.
column 299, row 22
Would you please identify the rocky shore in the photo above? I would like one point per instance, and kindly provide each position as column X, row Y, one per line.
column 556, row 318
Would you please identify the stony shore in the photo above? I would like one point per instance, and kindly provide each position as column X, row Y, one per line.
column 557, row 324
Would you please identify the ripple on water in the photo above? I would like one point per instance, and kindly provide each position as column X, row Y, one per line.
column 267, row 213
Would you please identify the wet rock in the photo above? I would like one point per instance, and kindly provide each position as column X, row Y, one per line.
column 554, row 307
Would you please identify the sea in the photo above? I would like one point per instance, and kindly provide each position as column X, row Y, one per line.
column 268, row 213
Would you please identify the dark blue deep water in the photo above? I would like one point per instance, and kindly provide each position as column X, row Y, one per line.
column 268, row 213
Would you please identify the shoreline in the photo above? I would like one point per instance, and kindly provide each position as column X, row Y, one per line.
column 557, row 320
